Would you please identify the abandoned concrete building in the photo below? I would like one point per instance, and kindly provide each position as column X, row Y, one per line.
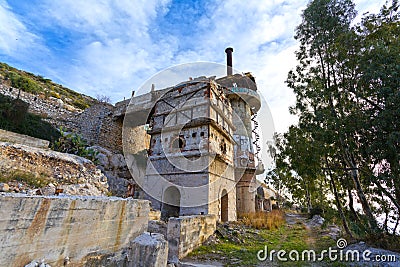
column 201, row 140
column 193, row 146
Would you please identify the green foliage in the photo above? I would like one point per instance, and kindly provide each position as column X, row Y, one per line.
column 286, row 237
column 79, row 103
column 23, row 83
column 347, row 99
column 37, row 84
column 73, row 143
column 14, row 117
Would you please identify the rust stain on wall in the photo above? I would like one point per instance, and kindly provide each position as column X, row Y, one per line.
column 39, row 221
column 36, row 228
column 69, row 220
column 119, row 230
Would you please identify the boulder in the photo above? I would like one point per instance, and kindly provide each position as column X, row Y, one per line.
column 148, row 250
column 316, row 221
column 117, row 161
column 4, row 187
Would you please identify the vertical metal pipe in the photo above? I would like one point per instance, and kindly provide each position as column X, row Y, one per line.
column 229, row 69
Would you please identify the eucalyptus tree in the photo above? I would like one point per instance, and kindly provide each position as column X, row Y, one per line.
column 378, row 87
column 323, row 102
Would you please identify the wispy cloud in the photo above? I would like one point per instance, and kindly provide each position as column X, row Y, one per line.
column 15, row 39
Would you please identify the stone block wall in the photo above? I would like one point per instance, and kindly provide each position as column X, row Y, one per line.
column 187, row 233
column 57, row 229
column 98, row 126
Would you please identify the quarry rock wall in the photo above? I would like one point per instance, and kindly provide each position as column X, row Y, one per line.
column 60, row 229
column 7, row 136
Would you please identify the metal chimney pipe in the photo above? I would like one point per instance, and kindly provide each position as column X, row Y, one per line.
column 229, row 69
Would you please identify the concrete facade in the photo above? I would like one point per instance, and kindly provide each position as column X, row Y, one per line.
column 201, row 158
column 191, row 152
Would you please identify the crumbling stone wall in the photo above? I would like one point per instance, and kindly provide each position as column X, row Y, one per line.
column 96, row 124
column 187, row 233
column 67, row 229
column 52, row 110
column 99, row 127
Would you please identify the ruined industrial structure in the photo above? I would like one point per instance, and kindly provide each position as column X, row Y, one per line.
column 190, row 148
column 201, row 143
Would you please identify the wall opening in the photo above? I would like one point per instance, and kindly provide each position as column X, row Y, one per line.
column 178, row 143
column 171, row 203
column 224, row 206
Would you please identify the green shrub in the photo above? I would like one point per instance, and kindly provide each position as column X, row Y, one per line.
column 79, row 103
column 23, row 83
column 14, row 117
column 73, row 143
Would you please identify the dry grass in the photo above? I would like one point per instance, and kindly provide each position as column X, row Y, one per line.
column 32, row 179
column 264, row 220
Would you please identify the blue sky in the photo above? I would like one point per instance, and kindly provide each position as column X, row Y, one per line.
column 105, row 47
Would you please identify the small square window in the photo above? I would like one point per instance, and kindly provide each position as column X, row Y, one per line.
column 202, row 134
column 194, row 135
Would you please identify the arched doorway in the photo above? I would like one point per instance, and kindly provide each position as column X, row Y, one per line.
column 171, row 203
column 224, row 206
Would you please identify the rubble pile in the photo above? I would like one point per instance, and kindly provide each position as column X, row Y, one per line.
column 39, row 171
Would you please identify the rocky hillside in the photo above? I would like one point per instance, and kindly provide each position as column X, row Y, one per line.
column 25, row 169
column 42, row 87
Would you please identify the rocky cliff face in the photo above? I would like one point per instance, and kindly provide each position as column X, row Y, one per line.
column 50, row 170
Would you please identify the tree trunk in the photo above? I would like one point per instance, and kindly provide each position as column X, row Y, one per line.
column 351, row 205
column 338, row 204
column 364, row 203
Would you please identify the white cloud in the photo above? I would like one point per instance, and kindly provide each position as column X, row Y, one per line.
column 15, row 39
column 114, row 49
column 117, row 45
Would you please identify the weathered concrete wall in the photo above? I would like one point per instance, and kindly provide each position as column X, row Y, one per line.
column 187, row 233
column 56, row 228
column 6, row 136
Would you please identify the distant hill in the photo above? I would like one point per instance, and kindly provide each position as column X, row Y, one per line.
column 38, row 85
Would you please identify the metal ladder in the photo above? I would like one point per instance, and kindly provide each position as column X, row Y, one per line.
column 256, row 137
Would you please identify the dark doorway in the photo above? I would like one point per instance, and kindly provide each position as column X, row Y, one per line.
column 171, row 203
column 224, row 206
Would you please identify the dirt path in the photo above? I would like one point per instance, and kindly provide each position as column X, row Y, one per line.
column 241, row 245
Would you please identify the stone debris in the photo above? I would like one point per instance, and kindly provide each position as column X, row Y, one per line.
column 148, row 250
column 233, row 232
column 4, row 187
column 37, row 171
column 316, row 221
column 37, row 264
column 114, row 167
column 157, row 226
